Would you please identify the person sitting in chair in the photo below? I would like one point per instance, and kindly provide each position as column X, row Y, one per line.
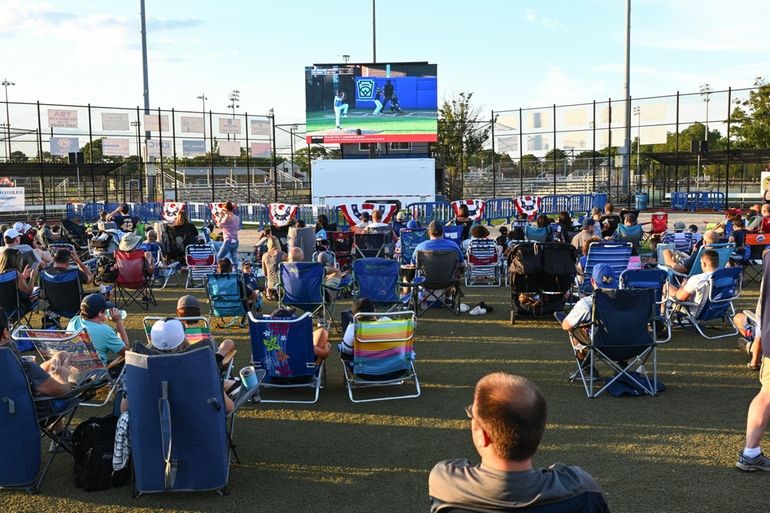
column 681, row 262
column 575, row 323
column 189, row 306
column 695, row 288
column 508, row 419
column 61, row 264
column 437, row 242
column 224, row 266
column 94, row 312
column 321, row 346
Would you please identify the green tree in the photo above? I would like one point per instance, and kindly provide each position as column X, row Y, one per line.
column 460, row 136
column 18, row 157
column 302, row 160
column 751, row 118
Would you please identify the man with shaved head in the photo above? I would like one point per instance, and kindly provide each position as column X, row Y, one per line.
column 682, row 263
column 508, row 417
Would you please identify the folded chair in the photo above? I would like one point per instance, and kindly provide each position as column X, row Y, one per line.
column 383, row 355
column 133, row 285
column 301, row 285
column 409, row 240
column 378, row 280
column 283, row 349
column 371, row 245
column 180, row 439
column 23, row 427
column 227, row 297
column 654, row 279
column 84, row 356
column 10, row 299
column 437, row 281
column 615, row 254
column 723, row 287
column 200, row 260
column 482, row 264
column 621, row 339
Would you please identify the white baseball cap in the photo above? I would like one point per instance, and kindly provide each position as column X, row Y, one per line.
column 11, row 233
column 167, row 335
column 21, row 227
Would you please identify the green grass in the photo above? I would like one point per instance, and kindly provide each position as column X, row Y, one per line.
column 673, row 453
column 420, row 122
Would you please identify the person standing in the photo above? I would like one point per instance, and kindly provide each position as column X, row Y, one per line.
column 229, row 223
column 378, row 103
column 340, row 107
column 388, row 91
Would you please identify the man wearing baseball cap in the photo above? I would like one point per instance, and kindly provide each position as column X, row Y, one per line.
column 602, row 277
column 583, row 235
column 94, row 312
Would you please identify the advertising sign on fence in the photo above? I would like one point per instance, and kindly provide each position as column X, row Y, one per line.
column 230, row 148
column 117, row 147
column 114, row 121
column 151, row 123
column 154, row 147
column 193, row 148
column 192, row 125
column 260, row 127
column 260, row 149
column 62, row 118
column 765, row 185
column 229, row 126
column 11, row 199
column 62, row 146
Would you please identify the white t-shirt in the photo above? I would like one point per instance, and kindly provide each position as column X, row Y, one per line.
column 581, row 312
column 697, row 287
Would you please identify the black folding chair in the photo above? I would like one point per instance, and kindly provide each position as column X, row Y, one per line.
column 438, row 281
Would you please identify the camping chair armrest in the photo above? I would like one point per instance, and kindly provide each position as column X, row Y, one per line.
column 416, row 282
column 117, row 361
column 752, row 316
column 76, row 391
column 226, row 359
column 682, row 303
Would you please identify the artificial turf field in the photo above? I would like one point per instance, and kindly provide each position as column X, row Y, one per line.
column 406, row 122
column 674, row 452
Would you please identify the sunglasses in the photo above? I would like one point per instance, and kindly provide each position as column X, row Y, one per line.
column 469, row 411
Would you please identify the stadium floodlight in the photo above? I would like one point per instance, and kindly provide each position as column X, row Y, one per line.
column 203, row 98
column 6, row 83
column 235, row 97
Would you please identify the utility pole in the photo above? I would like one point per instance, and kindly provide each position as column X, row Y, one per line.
column 627, row 94
column 374, row 31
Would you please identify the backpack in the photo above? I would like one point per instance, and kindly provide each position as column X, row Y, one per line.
column 93, row 443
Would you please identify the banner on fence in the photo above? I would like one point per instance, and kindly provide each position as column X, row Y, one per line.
column 12, row 199
column 260, row 149
column 280, row 213
column 154, row 147
column 475, row 208
column 114, row 121
column 193, row 148
column 192, row 124
column 260, row 127
column 171, row 209
column 229, row 126
column 62, row 146
column 353, row 211
column 117, row 147
column 230, row 148
column 62, row 118
column 528, row 205
column 764, row 188
column 151, row 123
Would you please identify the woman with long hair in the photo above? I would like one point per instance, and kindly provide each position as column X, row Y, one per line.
column 9, row 260
column 270, row 260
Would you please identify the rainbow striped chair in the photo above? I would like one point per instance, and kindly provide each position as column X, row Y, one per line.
column 383, row 355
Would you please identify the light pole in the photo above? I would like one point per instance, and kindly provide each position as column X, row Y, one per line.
column 235, row 97
column 6, row 83
column 638, row 114
column 705, row 91
column 203, row 99
column 292, row 131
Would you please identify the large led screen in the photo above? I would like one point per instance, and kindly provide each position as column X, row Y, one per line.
column 360, row 103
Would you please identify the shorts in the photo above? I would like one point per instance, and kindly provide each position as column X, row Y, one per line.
column 764, row 372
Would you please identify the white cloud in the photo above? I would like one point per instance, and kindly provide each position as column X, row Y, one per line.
column 532, row 16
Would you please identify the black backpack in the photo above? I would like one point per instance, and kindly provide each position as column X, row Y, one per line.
column 93, row 443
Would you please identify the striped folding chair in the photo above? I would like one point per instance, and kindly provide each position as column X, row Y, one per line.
column 201, row 260
column 615, row 254
column 383, row 355
column 482, row 265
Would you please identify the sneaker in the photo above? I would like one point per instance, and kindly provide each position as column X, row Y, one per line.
column 486, row 307
column 760, row 462
column 744, row 344
column 477, row 310
column 464, row 308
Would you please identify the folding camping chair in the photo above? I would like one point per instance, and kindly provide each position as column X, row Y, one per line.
column 378, row 280
column 656, row 280
column 168, row 394
column 201, row 260
column 301, row 284
column 536, row 234
column 409, row 240
column 23, row 427
column 454, row 233
column 227, row 297
column 658, row 225
column 723, row 287
column 482, row 264
column 383, row 355
column 342, row 246
column 615, row 254
column 283, row 349
column 11, row 300
column 756, row 243
column 162, row 271
column 632, row 235
column 84, row 356
column 62, row 292
column 133, row 285
column 621, row 339
column 436, row 275
column 371, row 245
column 724, row 250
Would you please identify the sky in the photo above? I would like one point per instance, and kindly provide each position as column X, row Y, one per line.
column 510, row 54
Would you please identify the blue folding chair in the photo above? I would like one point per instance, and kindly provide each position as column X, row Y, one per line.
column 654, row 279
column 632, row 234
column 226, row 293
column 454, row 233
column 615, row 254
column 283, row 349
column 409, row 241
column 724, row 249
column 178, row 423
column 536, row 234
column 10, row 300
column 300, row 284
column 63, row 293
column 724, row 287
column 378, row 280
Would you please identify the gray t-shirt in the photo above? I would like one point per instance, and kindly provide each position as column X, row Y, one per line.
column 461, row 484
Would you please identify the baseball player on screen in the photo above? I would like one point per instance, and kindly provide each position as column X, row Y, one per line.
column 340, row 107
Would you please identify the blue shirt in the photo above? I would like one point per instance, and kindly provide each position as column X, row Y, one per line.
column 105, row 340
column 438, row 245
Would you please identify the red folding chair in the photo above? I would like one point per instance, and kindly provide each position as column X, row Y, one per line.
column 133, row 284
column 658, row 225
